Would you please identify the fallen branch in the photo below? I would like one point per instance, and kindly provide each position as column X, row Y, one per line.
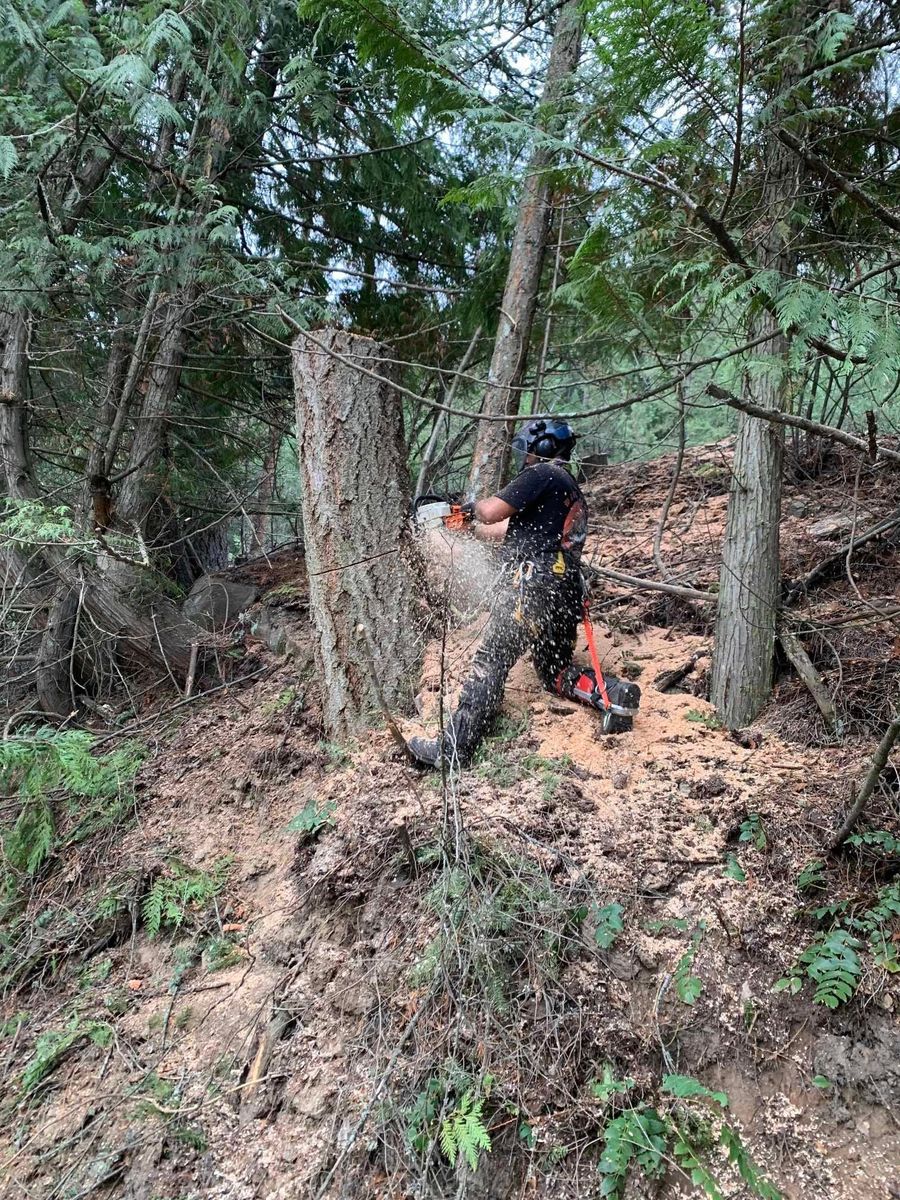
column 799, row 587
column 863, row 445
column 879, row 761
column 649, row 585
column 669, row 679
column 802, row 664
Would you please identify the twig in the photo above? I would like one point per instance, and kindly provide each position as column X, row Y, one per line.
column 192, row 670
column 670, row 494
column 369, row 654
column 879, row 761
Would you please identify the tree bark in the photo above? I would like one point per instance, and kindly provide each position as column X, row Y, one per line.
column 749, row 580
column 507, row 370
column 363, row 577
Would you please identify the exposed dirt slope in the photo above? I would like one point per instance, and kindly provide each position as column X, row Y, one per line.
column 245, row 1045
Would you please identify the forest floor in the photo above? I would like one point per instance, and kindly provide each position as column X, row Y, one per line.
column 350, row 954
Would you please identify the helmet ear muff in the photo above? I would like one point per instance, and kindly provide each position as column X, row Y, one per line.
column 546, row 446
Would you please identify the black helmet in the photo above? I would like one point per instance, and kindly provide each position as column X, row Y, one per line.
column 546, row 438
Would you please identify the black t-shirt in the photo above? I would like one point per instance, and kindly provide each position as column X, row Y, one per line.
column 551, row 513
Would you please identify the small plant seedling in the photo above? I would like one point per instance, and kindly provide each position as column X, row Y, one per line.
column 709, row 720
column 753, row 831
column 464, row 1134
column 734, row 870
column 608, row 924
column 689, row 987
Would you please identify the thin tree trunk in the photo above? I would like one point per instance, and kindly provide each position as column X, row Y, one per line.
column 363, row 578
column 750, row 579
column 262, row 520
column 507, row 370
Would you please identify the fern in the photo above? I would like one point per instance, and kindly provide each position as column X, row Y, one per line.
column 53, row 1045
column 174, row 894
column 832, row 963
column 464, row 1134
column 684, row 1087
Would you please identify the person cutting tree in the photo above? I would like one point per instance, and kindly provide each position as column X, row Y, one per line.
column 541, row 520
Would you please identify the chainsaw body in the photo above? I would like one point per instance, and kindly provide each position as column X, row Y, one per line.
column 618, row 707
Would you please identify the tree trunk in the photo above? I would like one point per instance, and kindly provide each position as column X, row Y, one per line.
column 750, row 577
column 359, row 549
column 262, row 518
column 507, row 370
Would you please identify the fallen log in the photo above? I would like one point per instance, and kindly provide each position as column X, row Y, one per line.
column 649, row 585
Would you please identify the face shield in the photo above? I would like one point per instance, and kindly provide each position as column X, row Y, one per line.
column 518, row 450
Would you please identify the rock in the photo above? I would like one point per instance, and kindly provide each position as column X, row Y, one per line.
column 279, row 631
column 871, row 1068
column 836, row 526
column 561, row 710
column 620, row 780
column 214, row 602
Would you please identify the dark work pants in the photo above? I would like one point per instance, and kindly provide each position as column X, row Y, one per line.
column 541, row 613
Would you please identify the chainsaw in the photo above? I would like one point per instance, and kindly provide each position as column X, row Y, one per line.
column 615, row 699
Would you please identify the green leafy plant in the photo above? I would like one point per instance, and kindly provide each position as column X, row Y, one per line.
column 463, row 1133
column 686, row 1126
column 688, row 986
column 54, row 1044
column 46, row 768
column 812, row 877
column 832, row 962
column 608, row 1085
column 178, row 890
column 608, row 924
column 753, row 831
column 313, row 818
column 710, row 720
column 734, row 870
column 638, row 1136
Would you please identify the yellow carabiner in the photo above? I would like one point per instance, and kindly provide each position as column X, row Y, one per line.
column 559, row 567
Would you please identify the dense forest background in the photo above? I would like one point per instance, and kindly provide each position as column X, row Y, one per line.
column 184, row 186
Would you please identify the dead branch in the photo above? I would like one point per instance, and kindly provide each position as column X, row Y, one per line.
column 802, row 664
column 799, row 587
column 649, row 585
column 863, row 445
column 669, row 679
column 879, row 761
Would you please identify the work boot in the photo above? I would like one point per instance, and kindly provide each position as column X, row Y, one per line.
column 426, row 750
column 457, row 744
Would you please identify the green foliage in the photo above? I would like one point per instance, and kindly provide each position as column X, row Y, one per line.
column 688, row 987
column 832, row 962
column 312, row 818
column 35, row 523
column 753, row 831
column 463, row 1133
column 710, row 720
column 734, row 870
column 180, row 890
column 608, row 924
column 644, row 1137
column 40, row 764
column 637, row 1137
column 53, row 1045
column 812, row 877
column 685, row 1086
column 608, row 1085
column 878, row 839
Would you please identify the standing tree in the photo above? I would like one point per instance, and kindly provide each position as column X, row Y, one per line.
column 750, row 576
column 363, row 581
column 520, row 295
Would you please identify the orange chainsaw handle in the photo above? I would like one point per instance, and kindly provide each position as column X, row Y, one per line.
column 459, row 517
column 595, row 657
